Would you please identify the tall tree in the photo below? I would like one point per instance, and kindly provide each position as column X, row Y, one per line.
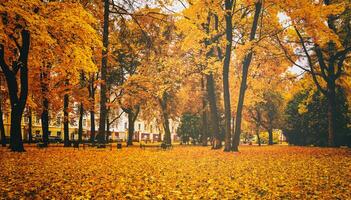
column 245, row 64
column 103, row 98
column 228, row 6
column 18, row 97
column 325, row 49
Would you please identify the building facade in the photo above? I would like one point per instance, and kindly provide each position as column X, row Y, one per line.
column 144, row 130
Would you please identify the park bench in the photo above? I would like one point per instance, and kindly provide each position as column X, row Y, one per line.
column 41, row 145
column 161, row 146
column 102, row 146
column 75, row 145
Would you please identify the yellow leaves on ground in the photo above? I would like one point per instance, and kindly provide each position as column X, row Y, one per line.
column 278, row 172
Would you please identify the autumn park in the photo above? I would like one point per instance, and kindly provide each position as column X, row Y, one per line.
column 175, row 99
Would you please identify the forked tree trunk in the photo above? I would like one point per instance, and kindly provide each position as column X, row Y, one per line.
column 246, row 65
column 18, row 98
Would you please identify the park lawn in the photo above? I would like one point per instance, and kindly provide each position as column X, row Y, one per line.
column 181, row 173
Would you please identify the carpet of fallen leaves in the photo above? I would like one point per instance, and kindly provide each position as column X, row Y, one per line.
column 278, row 172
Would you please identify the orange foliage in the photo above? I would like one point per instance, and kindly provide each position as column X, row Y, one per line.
column 279, row 172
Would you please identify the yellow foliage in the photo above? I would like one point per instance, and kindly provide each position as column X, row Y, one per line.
column 277, row 172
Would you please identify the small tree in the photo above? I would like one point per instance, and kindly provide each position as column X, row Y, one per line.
column 190, row 128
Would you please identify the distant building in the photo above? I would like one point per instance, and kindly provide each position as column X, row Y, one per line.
column 150, row 131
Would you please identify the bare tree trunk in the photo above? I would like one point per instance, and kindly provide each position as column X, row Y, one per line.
column 131, row 124
column 17, row 102
column 108, row 132
column 204, row 115
column 163, row 102
column 80, row 123
column 66, row 121
column 45, row 121
column 103, row 98
column 132, row 117
column 92, row 126
column 30, row 125
column 246, row 65
column 270, row 134
column 2, row 128
column 331, row 96
column 217, row 143
column 258, row 135
column 92, row 89
column 226, row 64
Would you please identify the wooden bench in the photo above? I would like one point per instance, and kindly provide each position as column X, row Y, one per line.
column 165, row 146
column 41, row 145
column 161, row 146
column 76, row 145
column 102, row 146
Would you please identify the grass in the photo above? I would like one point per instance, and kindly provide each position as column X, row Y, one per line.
column 277, row 172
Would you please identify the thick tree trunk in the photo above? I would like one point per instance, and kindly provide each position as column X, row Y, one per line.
column 217, row 143
column 30, row 125
column 131, row 123
column 108, row 132
column 331, row 96
column 17, row 102
column 66, row 121
column 204, row 115
column 92, row 126
column 2, row 128
column 246, row 65
column 45, row 121
column 258, row 134
column 103, row 99
column 270, row 135
column 226, row 64
column 165, row 118
column 92, row 89
column 167, row 138
column 16, row 143
column 44, row 76
column 80, row 123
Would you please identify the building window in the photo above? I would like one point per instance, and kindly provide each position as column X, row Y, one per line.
column 37, row 120
column 125, row 125
column 151, row 128
column 139, row 126
column 58, row 121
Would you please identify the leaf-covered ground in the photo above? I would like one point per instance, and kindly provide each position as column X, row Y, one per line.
column 278, row 172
